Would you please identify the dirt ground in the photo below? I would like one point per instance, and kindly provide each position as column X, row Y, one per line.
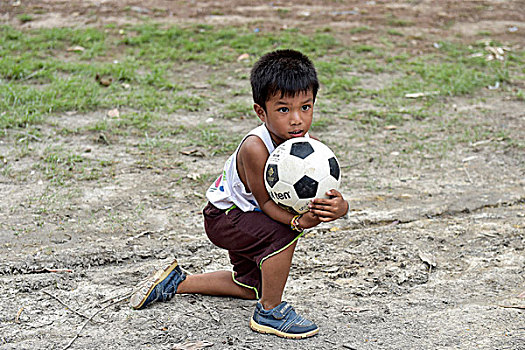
column 431, row 256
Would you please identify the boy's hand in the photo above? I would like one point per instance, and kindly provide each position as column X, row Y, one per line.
column 329, row 209
column 309, row 220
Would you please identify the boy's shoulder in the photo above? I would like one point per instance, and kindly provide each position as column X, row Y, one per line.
column 258, row 140
column 253, row 145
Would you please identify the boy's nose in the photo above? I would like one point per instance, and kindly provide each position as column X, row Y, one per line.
column 296, row 118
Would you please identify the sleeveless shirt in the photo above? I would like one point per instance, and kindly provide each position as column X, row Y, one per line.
column 228, row 189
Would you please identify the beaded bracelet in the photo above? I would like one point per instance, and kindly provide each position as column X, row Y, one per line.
column 294, row 224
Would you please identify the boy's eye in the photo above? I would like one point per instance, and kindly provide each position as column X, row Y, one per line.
column 283, row 109
column 306, row 107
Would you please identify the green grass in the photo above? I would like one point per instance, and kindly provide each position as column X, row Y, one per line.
column 238, row 110
column 42, row 77
column 25, row 18
column 375, row 118
column 59, row 165
column 393, row 21
column 360, row 29
column 150, row 64
column 213, row 140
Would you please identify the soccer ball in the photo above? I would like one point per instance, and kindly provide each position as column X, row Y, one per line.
column 299, row 170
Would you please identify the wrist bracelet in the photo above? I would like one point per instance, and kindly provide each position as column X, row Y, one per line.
column 294, row 224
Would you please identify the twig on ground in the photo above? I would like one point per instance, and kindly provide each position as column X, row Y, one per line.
column 128, row 294
column 468, row 175
column 143, row 234
column 32, row 74
column 213, row 315
column 521, row 307
column 91, row 317
column 46, row 270
column 346, row 346
column 67, row 306
column 17, row 318
column 353, row 165
column 31, row 136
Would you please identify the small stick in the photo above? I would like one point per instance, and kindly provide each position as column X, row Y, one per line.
column 522, row 307
column 32, row 74
column 143, row 234
column 57, row 270
column 30, row 136
column 17, row 318
column 115, row 297
column 468, row 175
column 67, row 306
column 90, row 318
column 46, row 270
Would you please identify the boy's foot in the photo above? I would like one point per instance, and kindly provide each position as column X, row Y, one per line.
column 282, row 321
column 160, row 286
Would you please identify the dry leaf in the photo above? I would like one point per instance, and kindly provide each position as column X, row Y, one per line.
column 113, row 113
column 468, row 159
column 428, row 258
column 243, row 57
column 75, row 49
column 348, row 309
column 421, row 94
column 193, row 153
column 103, row 80
column 192, row 345
column 193, row 176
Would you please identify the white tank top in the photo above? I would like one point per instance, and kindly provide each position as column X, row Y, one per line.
column 228, row 189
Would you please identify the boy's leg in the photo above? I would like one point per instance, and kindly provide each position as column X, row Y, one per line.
column 218, row 283
column 171, row 280
column 271, row 314
column 275, row 271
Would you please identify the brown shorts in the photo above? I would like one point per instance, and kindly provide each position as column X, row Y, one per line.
column 250, row 238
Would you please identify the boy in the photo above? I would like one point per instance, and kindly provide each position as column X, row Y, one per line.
column 240, row 216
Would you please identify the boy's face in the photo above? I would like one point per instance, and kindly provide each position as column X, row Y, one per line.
column 287, row 117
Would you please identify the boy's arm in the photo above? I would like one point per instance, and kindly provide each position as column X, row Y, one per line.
column 251, row 161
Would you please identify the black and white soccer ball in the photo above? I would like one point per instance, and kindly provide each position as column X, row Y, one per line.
column 299, row 170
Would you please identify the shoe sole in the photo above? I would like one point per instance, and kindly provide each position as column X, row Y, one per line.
column 269, row 330
column 139, row 297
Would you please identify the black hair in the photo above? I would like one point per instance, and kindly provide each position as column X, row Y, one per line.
column 286, row 71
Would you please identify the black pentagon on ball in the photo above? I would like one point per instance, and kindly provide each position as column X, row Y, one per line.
column 272, row 176
column 301, row 149
column 334, row 168
column 306, row 187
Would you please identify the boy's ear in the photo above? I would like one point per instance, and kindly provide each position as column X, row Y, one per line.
column 260, row 112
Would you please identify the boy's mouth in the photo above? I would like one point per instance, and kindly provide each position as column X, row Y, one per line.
column 296, row 133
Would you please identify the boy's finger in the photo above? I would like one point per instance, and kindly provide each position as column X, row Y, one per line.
column 333, row 193
column 319, row 206
column 322, row 201
column 322, row 213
